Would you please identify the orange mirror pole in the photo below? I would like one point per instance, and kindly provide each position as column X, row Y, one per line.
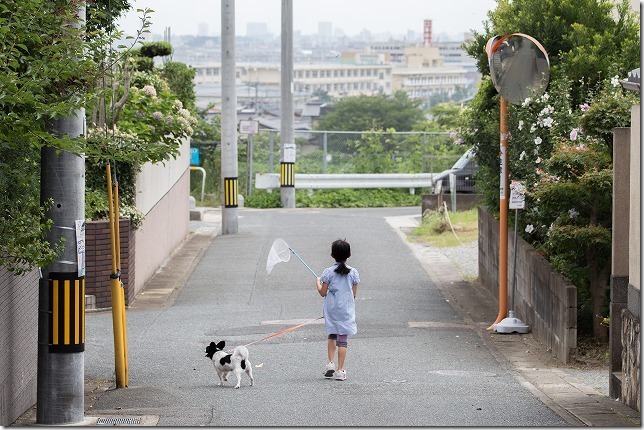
column 503, row 217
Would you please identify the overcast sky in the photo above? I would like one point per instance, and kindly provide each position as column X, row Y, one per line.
column 453, row 17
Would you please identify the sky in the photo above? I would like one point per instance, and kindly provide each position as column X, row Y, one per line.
column 452, row 17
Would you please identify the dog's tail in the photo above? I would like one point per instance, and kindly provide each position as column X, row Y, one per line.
column 241, row 352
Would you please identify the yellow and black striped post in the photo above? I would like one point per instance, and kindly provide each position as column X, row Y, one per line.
column 287, row 174
column 230, row 192
column 67, row 318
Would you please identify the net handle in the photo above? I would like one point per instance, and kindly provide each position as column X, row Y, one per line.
column 300, row 258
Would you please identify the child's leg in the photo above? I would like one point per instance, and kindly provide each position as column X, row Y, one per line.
column 331, row 347
column 342, row 350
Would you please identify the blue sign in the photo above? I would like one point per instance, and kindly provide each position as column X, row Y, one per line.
column 194, row 157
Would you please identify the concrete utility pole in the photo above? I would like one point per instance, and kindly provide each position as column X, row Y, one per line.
column 61, row 303
column 229, row 168
column 287, row 163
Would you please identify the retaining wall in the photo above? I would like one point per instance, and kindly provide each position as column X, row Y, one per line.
column 18, row 344
column 543, row 299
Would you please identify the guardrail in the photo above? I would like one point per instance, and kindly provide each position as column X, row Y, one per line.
column 349, row 180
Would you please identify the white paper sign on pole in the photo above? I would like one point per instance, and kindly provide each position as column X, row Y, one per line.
column 289, row 153
column 80, row 246
column 517, row 195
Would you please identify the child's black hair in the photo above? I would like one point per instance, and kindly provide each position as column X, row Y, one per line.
column 341, row 250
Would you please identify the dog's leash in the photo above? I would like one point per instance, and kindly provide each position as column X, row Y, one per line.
column 286, row 330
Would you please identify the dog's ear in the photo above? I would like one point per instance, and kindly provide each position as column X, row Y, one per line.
column 221, row 345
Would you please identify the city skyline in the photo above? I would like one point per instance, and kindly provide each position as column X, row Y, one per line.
column 351, row 17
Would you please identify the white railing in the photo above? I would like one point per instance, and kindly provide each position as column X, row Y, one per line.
column 349, row 180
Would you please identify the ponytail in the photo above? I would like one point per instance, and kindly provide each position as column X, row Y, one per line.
column 342, row 269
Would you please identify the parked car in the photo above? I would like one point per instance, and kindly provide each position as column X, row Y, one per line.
column 464, row 169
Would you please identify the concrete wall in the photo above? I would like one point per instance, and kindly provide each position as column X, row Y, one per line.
column 163, row 193
column 544, row 300
column 631, row 316
column 18, row 344
column 464, row 202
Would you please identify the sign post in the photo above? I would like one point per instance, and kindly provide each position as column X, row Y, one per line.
column 519, row 68
column 250, row 128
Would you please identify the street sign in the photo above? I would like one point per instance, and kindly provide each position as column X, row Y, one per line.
column 248, row 127
column 517, row 195
column 194, row 157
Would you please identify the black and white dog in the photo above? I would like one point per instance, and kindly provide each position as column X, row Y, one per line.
column 224, row 362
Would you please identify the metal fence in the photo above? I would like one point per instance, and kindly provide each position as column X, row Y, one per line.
column 329, row 152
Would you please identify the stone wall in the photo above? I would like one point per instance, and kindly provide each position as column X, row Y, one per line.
column 18, row 344
column 631, row 360
column 98, row 262
column 543, row 299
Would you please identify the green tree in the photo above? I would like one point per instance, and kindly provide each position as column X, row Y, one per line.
column 180, row 78
column 361, row 113
column 590, row 44
column 583, row 39
column 39, row 81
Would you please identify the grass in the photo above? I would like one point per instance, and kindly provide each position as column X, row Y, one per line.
column 436, row 228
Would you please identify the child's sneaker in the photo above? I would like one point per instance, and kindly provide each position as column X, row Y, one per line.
column 329, row 370
column 341, row 375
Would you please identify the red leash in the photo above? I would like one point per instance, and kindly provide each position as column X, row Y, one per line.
column 286, row 330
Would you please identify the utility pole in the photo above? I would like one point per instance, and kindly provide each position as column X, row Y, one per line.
column 287, row 155
column 229, row 168
column 61, row 302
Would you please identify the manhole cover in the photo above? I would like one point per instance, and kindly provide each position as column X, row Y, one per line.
column 114, row 421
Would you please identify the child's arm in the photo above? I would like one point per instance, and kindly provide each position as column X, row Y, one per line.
column 355, row 291
column 322, row 287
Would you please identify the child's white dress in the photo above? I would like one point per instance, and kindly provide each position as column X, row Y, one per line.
column 339, row 306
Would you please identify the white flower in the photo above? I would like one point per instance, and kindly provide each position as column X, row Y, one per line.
column 522, row 156
column 521, row 124
column 526, row 102
column 178, row 104
column 157, row 115
column 184, row 113
column 573, row 213
column 614, row 81
column 573, row 134
column 533, row 128
column 538, row 160
column 149, row 90
column 529, row 228
column 538, row 141
column 585, row 107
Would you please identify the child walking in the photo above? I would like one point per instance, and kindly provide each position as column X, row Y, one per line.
column 338, row 285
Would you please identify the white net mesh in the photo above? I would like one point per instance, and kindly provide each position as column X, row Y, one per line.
column 278, row 253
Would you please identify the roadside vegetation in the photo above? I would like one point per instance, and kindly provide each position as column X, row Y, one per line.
column 442, row 228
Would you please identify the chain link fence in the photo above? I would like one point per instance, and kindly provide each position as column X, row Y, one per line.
column 329, row 152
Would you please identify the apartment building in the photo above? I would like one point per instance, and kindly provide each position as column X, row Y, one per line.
column 419, row 71
column 337, row 80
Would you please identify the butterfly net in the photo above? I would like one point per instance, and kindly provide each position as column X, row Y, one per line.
column 278, row 253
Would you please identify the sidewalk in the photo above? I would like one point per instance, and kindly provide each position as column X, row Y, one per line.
column 536, row 370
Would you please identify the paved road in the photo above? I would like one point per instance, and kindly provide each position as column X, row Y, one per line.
column 414, row 361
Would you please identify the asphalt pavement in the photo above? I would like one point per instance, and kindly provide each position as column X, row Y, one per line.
column 422, row 355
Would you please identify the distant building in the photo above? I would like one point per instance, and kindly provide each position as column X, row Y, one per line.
column 202, row 29
column 325, row 31
column 256, row 30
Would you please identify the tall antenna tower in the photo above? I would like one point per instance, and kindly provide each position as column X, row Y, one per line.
column 427, row 33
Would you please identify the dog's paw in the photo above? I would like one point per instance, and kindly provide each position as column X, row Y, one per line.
column 237, row 386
